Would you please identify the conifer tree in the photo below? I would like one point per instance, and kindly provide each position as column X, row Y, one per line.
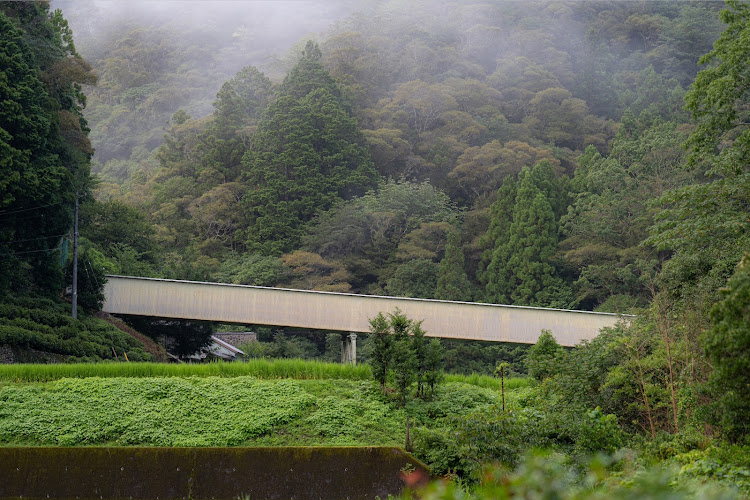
column 419, row 348
column 520, row 271
column 494, row 243
column 44, row 148
column 533, row 241
column 453, row 284
column 307, row 155
column 404, row 361
column 433, row 364
column 382, row 347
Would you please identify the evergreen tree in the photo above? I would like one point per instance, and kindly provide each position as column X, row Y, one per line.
column 543, row 357
column 44, row 148
column 532, row 242
column 552, row 187
column 238, row 106
column 453, row 284
column 381, row 350
column 404, row 361
column 419, row 348
column 525, row 238
column 494, row 243
column 433, row 364
column 307, row 155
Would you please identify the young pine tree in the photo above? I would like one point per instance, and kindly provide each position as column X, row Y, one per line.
column 543, row 357
column 404, row 361
column 419, row 348
column 381, row 350
column 433, row 365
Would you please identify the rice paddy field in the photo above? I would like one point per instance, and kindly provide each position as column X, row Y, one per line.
column 258, row 368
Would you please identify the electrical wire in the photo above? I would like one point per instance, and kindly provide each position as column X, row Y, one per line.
column 32, row 208
column 33, row 239
column 27, row 217
column 30, row 251
column 96, row 280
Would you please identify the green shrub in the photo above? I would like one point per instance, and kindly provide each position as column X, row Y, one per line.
column 546, row 475
column 543, row 358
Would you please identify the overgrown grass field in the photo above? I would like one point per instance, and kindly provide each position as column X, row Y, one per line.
column 204, row 409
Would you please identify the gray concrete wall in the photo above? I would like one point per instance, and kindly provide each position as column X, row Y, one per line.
column 344, row 312
column 204, row 473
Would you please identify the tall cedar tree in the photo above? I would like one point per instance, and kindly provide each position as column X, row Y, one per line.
column 495, row 243
column 453, row 284
column 238, row 106
column 520, row 271
column 307, row 155
column 44, row 148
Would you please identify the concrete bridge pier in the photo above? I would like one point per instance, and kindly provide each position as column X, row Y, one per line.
column 349, row 349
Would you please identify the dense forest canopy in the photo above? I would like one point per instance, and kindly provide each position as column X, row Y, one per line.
column 324, row 166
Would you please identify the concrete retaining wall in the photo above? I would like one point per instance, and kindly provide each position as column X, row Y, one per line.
column 204, row 473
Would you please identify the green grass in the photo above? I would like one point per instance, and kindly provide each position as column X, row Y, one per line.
column 489, row 382
column 259, row 368
column 219, row 411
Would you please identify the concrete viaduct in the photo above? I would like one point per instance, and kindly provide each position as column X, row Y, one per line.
column 253, row 305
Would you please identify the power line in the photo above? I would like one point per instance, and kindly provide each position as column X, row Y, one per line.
column 7, row 252
column 33, row 239
column 96, row 280
column 32, row 208
column 26, row 217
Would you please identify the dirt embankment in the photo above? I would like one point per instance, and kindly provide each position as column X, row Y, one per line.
column 149, row 345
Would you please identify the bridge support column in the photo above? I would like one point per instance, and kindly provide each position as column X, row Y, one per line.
column 349, row 349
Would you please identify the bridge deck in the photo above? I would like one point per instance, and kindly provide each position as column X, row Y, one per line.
column 344, row 312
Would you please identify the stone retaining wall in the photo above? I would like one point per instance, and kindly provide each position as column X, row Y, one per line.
column 6, row 355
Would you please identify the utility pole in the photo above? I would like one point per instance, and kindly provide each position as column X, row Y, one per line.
column 75, row 261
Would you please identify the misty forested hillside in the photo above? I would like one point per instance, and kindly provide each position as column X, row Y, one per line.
column 589, row 155
column 449, row 100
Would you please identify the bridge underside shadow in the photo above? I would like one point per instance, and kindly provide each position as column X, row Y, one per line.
column 342, row 312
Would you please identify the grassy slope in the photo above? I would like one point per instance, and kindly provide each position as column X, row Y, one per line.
column 219, row 411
